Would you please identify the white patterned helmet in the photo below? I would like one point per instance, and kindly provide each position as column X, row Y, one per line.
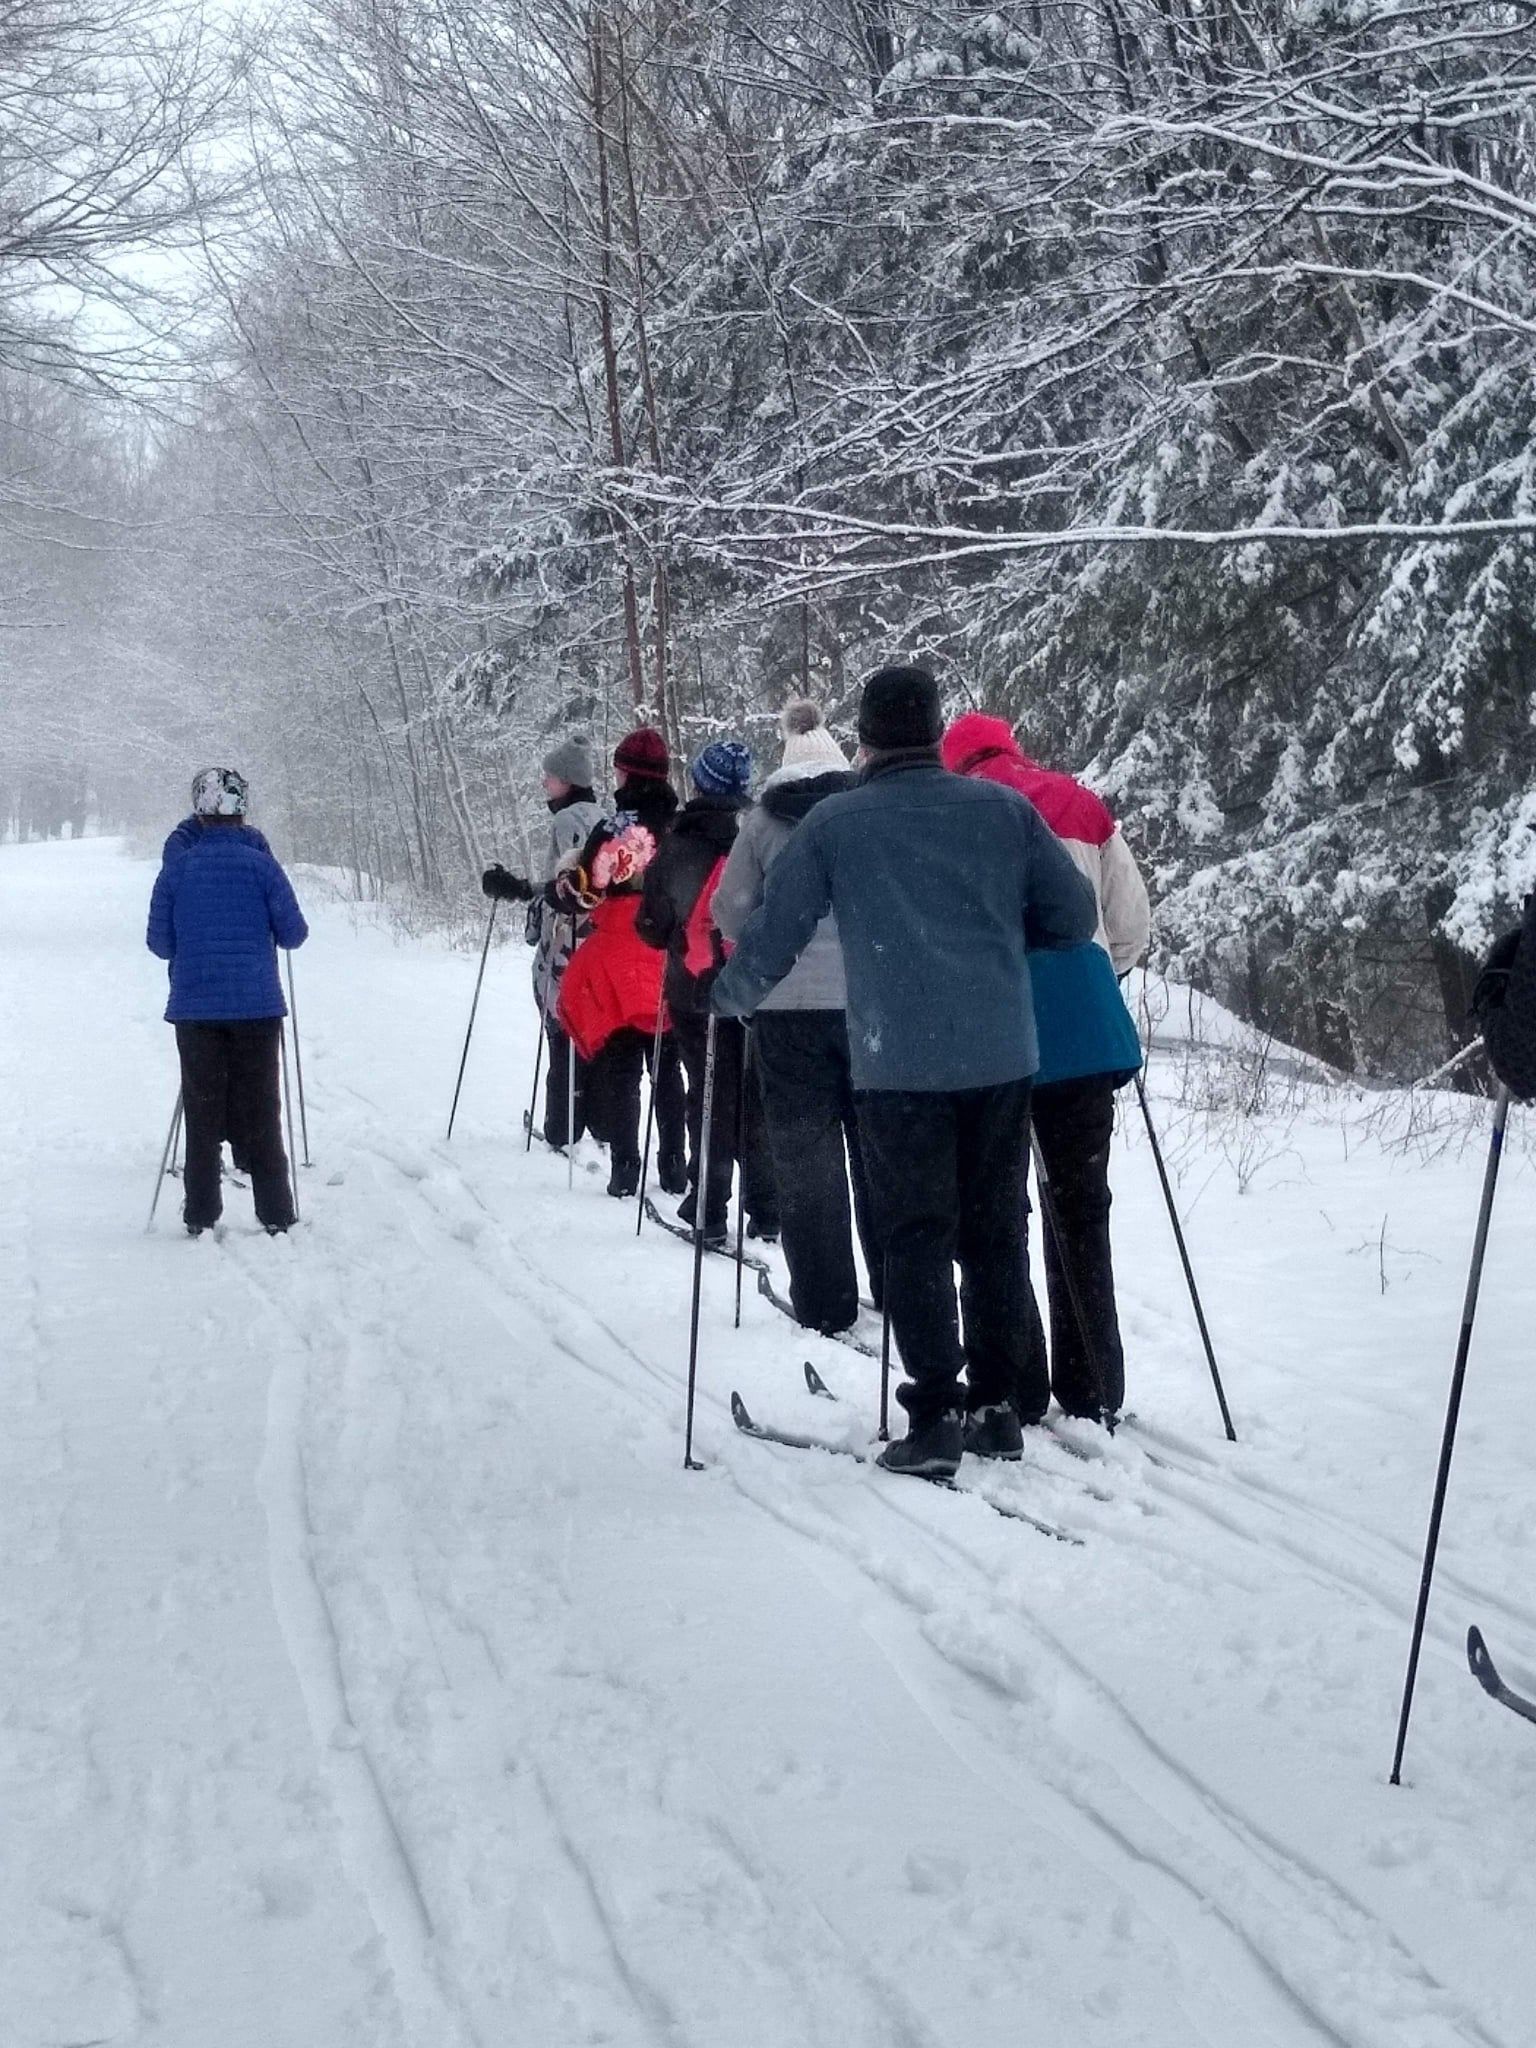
column 219, row 793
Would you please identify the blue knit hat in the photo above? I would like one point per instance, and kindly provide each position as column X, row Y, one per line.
column 723, row 769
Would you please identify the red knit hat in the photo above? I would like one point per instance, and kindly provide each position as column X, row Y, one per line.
column 643, row 753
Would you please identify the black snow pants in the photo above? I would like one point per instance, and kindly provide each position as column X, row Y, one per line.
column 556, row 1090
column 801, row 1058
column 691, row 1025
column 946, row 1175
column 230, row 1087
column 1074, row 1122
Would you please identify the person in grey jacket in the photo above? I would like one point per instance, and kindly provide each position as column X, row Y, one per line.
column 573, row 811
column 800, row 1043
column 940, row 886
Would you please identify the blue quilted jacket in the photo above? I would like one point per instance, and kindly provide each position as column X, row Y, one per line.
column 220, row 909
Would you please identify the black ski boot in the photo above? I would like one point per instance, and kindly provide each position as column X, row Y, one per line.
column 624, row 1179
column 931, row 1452
column 994, row 1433
column 672, row 1172
column 765, row 1229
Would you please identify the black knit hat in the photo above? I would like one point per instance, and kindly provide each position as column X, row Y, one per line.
column 900, row 709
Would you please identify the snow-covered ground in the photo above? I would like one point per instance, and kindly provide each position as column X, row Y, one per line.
column 372, row 1674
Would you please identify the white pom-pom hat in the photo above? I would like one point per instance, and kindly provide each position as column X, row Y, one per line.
column 807, row 743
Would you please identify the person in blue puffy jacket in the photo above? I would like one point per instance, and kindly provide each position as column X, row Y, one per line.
column 220, row 909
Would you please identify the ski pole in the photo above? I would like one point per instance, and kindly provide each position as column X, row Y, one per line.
column 700, row 1205
column 165, row 1158
column 570, row 1090
column 650, row 1111
column 885, row 1348
column 490, row 926
column 298, row 1059
column 545, row 1004
column 1189, row 1271
column 282, row 1039
column 1452, row 1413
column 742, row 1077
column 1074, row 1293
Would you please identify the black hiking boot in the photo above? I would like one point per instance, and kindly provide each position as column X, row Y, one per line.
column 994, row 1433
column 672, row 1172
column 931, row 1452
column 624, row 1179
column 764, row 1228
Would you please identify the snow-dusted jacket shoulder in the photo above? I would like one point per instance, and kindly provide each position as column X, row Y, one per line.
column 192, row 829
column 979, row 745
column 817, row 980
column 940, row 886
column 220, row 909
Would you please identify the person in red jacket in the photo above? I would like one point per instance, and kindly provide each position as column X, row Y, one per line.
column 611, row 995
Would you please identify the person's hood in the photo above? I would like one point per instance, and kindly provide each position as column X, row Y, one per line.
column 713, row 819
column 790, row 793
column 653, row 803
column 975, row 738
column 578, row 793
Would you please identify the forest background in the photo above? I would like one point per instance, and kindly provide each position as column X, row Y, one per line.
column 388, row 387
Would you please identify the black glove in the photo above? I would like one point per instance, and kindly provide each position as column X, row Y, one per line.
column 506, row 888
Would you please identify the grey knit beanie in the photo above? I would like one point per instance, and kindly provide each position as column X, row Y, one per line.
column 571, row 762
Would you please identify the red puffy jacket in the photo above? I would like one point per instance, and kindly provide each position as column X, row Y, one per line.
column 614, row 980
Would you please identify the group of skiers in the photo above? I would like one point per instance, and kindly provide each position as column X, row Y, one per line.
column 893, row 983
column 910, row 968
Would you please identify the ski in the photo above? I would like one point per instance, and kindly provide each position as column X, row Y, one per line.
column 816, row 1385
column 794, row 1440
column 684, row 1235
column 1486, row 1673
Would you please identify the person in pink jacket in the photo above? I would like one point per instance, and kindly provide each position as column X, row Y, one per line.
column 1088, row 1049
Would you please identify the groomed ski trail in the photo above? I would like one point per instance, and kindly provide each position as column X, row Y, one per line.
column 561, row 1744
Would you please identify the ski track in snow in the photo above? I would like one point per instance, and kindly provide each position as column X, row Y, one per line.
column 379, row 1680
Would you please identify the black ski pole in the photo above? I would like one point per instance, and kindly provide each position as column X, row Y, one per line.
column 885, row 1348
column 1074, row 1294
column 1452, row 1413
column 742, row 1080
column 650, row 1111
column 485, row 950
column 165, row 1158
column 298, row 1059
column 293, row 1174
column 1189, row 1271
column 700, row 1206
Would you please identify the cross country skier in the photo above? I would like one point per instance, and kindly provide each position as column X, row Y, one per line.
column 800, row 1043
column 221, row 906
column 573, row 811
column 610, row 998
column 1088, row 1049
column 1505, row 1003
column 675, row 917
column 940, row 886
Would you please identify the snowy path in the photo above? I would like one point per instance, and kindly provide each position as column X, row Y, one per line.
column 374, row 1676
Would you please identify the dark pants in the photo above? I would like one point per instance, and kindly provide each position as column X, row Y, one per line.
column 612, row 1099
column 230, row 1087
column 691, row 1027
column 671, row 1114
column 1074, row 1121
column 802, row 1070
column 556, row 1097
column 946, row 1174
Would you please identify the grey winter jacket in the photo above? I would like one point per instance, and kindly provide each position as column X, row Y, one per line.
column 941, row 885
column 550, row 929
column 816, row 981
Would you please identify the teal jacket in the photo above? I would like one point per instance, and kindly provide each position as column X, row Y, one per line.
column 941, row 887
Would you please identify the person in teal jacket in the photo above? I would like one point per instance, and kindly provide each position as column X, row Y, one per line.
column 1089, row 1047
